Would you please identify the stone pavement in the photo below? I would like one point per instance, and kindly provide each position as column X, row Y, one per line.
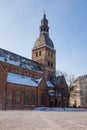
column 43, row 120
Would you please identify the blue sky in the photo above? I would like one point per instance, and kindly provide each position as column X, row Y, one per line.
column 19, row 29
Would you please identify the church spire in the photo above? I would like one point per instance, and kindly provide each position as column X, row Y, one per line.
column 44, row 28
column 43, row 51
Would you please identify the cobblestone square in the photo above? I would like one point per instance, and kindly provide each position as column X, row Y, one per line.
column 43, row 120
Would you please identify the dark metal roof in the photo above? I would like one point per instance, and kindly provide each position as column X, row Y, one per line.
column 44, row 40
column 12, row 58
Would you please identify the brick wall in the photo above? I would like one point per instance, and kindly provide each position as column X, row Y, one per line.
column 19, row 70
column 5, row 87
column 3, row 77
column 22, row 89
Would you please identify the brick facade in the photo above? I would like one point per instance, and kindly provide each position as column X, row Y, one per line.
column 3, row 77
column 6, row 87
column 16, row 94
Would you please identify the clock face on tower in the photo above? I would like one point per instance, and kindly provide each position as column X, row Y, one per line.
column 38, row 43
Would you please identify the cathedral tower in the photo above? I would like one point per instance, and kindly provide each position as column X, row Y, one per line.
column 43, row 50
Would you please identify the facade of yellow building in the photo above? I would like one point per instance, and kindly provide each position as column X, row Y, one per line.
column 78, row 93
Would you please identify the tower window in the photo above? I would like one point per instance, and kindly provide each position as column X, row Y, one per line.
column 51, row 64
column 48, row 53
column 51, row 55
column 48, row 63
column 36, row 54
column 39, row 53
column 44, row 29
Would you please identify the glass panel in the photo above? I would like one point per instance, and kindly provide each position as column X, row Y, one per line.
column 42, row 99
column 26, row 98
column 33, row 100
column 17, row 98
column 9, row 97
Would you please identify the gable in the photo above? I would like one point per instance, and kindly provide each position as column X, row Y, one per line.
column 42, row 84
column 58, row 81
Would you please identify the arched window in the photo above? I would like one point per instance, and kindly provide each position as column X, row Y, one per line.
column 9, row 97
column 33, row 99
column 51, row 64
column 26, row 98
column 44, row 29
column 48, row 63
column 17, row 98
column 42, row 99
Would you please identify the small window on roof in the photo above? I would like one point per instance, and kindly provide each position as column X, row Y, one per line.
column 6, row 69
column 25, row 73
column 20, row 72
column 28, row 74
column 12, row 70
column 16, row 71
